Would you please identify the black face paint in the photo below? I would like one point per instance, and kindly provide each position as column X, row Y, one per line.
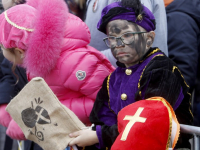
column 113, row 50
column 140, row 44
column 112, row 47
column 119, row 43
column 117, row 27
column 129, row 54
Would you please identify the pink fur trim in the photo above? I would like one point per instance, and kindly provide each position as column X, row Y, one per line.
column 45, row 42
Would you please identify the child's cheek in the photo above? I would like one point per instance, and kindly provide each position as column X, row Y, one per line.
column 132, row 45
column 113, row 51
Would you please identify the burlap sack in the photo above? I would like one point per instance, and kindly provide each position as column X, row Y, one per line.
column 41, row 116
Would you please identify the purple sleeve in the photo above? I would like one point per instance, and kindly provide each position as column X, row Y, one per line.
column 99, row 135
column 179, row 100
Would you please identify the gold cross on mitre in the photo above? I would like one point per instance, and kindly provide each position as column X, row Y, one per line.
column 133, row 120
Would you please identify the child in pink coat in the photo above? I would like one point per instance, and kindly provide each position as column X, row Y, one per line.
column 49, row 42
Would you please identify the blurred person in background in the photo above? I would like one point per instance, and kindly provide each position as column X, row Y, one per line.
column 77, row 7
column 10, row 84
column 6, row 143
column 1, row 7
column 183, row 20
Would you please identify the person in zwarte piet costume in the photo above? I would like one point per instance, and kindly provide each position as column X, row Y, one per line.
column 143, row 72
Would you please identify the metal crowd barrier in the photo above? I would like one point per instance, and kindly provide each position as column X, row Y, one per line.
column 195, row 131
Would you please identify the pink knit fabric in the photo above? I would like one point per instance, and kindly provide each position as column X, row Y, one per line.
column 12, row 37
column 48, row 19
column 58, row 51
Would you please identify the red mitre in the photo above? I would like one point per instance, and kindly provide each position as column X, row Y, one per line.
column 147, row 124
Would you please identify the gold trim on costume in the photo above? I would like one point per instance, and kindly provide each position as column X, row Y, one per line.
column 190, row 104
column 140, row 93
column 154, row 51
column 15, row 25
column 109, row 94
column 171, row 115
column 175, row 67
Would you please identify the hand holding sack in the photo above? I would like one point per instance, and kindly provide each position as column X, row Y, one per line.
column 41, row 116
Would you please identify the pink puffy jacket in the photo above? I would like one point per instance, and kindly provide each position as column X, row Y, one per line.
column 79, row 71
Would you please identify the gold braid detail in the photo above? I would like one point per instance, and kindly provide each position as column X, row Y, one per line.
column 15, row 25
column 175, row 67
column 154, row 51
column 109, row 94
column 170, row 124
column 170, row 116
column 145, row 68
column 140, row 93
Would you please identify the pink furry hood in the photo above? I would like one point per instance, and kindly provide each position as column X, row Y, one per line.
column 46, row 40
column 46, row 20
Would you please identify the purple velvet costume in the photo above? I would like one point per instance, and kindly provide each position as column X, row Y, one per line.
column 154, row 75
column 120, row 83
